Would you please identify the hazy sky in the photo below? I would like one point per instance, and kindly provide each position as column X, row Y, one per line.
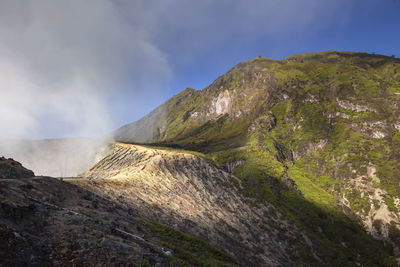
column 83, row 68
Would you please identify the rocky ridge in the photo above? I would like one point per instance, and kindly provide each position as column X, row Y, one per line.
column 184, row 191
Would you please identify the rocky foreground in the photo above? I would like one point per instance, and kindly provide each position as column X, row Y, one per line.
column 49, row 222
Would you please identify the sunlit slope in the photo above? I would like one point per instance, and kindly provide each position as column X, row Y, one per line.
column 185, row 191
column 340, row 83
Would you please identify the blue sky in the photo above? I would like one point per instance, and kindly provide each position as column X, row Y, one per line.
column 367, row 26
column 73, row 68
column 364, row 26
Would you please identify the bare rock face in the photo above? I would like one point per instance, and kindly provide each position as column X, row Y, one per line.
column 10, row 169
column 222, row 104
column 376, row 216
column 184, row 191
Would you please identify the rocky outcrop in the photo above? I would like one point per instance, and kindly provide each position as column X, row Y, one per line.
column 231, row 166
column 222, row 104
column 308, row 148
column 370, row 204
column 354, row 107
column 10, row 169
column 184, row 191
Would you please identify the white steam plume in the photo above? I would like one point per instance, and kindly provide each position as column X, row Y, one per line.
column 62, row 60
column 60, row 63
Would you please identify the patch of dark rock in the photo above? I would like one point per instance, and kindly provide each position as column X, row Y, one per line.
column 11, row 169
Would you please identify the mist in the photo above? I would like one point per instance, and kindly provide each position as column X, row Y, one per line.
column 67, row 157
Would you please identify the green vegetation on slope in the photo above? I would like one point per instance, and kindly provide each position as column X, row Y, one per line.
column 336, row 238
column 310, row 127
column 188, row 250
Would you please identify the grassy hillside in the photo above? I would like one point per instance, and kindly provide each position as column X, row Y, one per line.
column 316, row 134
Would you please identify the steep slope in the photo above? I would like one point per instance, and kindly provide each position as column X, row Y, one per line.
column 49, row 222
column 183, row 190
column 344, row 85
column 318, row 131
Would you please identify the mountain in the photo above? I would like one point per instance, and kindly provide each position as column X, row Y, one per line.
column 315, row 135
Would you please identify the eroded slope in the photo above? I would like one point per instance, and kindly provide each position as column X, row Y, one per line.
column 184, row 191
